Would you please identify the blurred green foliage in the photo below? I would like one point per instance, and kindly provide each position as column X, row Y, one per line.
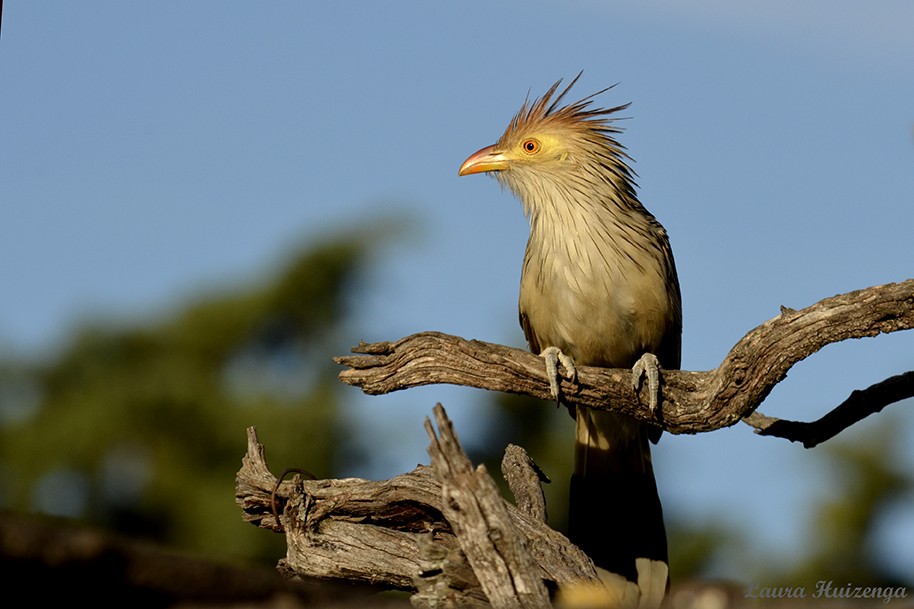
column 841, row 534
column 141, row 428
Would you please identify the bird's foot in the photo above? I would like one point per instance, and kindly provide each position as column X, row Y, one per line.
column 648, row 366
column 553, row 357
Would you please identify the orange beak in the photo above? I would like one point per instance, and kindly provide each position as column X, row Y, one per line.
column 487, row 159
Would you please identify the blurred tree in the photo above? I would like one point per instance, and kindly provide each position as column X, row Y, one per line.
column 866, row 483
column 696, row 547
column 140, row 428
column 841, row 543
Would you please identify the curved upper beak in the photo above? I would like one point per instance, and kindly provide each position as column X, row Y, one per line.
column 487, row 159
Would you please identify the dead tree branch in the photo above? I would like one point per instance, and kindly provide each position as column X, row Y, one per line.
column 693, row 402
column 418, row 531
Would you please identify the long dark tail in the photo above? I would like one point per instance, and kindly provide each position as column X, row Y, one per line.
column 615, row 514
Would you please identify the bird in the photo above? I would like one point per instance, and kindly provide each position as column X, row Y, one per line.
column 598, row 287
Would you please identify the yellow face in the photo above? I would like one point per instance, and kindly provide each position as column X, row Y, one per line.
column 541, row 147
column 528, row 149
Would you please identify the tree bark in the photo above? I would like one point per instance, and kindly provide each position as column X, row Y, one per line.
column 692, row 402
column 417, row 531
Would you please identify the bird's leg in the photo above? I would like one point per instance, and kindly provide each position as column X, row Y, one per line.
column 554, row 356
column 648, row 365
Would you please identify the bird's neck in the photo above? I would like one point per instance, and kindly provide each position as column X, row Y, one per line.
column 575, row 213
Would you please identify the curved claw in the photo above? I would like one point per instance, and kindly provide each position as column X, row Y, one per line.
column 648, row 365
column 554, row 356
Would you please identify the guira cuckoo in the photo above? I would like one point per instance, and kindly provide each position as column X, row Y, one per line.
column 598, row 288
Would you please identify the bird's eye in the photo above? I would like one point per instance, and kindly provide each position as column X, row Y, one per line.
column 531, row 146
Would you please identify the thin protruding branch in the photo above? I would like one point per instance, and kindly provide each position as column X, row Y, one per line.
column 859, row 405
column 525, row 480
column 692, row 402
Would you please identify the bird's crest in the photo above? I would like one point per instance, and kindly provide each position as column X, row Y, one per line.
column 576, row 116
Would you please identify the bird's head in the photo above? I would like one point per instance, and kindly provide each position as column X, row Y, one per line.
column 548, row 147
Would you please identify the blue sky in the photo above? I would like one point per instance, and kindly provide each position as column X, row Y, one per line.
column 150, row 151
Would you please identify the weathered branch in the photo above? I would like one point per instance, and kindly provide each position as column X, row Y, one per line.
column 692, row 402
column 399, row 533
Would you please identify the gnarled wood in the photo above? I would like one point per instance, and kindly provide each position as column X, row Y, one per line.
column 692, row 402
column 378, row 532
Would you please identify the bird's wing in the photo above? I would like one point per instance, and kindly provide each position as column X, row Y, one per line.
column 532, row 340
